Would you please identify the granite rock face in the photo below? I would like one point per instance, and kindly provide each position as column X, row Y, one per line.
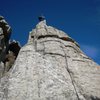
column 8, row 49
column 51, row 66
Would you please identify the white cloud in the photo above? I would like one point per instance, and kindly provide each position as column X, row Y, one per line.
column 90, row 51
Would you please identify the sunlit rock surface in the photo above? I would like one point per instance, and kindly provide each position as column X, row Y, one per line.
column 51, row 66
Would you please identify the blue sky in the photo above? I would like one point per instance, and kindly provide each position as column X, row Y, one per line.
column 80, row 19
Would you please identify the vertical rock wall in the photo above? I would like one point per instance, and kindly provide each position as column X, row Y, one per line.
column 51, row 66
column 8, row 49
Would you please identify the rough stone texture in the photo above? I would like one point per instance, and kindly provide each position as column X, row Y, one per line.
column 51, row 66
column 1, row 69
column 8, row 49
column 5, row 32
